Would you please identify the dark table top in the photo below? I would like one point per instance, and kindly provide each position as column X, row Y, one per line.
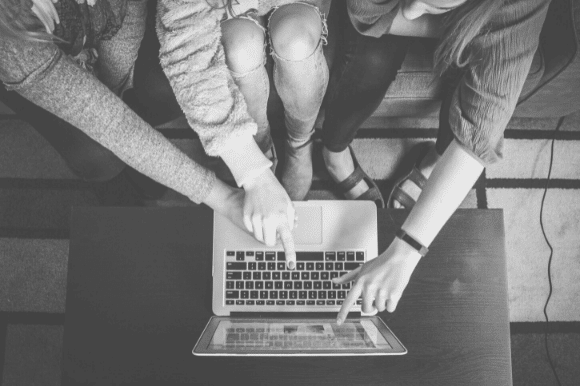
column 139, row 296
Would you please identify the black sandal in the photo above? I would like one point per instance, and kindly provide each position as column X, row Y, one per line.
column 409, row 170
column 372, row 194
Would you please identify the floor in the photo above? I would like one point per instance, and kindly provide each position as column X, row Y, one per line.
column 37, row 191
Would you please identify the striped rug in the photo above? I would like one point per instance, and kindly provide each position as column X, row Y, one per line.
column 37, row 191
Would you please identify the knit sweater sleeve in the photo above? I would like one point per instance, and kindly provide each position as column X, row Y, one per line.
column 41, row 73
column 193, row 60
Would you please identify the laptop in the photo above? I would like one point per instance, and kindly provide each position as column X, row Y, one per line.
column 262, row 308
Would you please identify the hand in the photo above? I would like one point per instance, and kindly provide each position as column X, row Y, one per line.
column 381, row 281
column 269, row 213
column 46, row 13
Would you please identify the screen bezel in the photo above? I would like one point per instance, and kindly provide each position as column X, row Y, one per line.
column 201, row 348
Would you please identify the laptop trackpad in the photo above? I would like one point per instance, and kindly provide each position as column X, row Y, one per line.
column 309, row 228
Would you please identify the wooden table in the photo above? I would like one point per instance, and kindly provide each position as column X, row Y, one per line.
column 139, row 295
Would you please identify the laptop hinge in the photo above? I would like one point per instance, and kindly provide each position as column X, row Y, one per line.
column 292, row 315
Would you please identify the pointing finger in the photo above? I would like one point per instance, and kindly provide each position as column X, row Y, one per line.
column 288, row 244
column 347, row 277
column 350, row 300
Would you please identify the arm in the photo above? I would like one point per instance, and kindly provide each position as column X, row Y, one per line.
column 481, row 108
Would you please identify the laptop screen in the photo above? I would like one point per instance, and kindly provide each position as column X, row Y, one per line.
column 303, row 335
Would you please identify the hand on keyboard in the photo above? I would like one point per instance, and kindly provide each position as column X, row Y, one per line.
column 269, row 213
column 381, row 281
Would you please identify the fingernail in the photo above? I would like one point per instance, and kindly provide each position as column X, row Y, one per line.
column 291, row 264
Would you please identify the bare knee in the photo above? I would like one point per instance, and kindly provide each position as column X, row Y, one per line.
column 295, row 30
column 243, row 43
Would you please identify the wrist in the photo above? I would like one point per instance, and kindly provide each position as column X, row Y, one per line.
column 245, row 160
column 401, row 248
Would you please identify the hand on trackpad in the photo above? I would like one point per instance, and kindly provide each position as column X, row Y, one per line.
column 309, row 227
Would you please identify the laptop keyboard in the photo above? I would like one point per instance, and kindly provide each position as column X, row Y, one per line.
column 259, row 278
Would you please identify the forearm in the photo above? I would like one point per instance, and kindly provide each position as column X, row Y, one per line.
column 454, row 175
column 80, row 99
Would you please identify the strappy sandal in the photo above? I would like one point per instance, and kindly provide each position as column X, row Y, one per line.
column 372, row 194
column 409, row 170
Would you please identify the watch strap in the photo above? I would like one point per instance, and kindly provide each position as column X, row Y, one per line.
column 412, row 242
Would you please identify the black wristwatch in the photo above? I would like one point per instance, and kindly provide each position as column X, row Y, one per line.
column 412, row 242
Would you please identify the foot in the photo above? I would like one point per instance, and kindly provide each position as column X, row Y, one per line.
column 297, row 172
column 340, row 165
column 426, row 168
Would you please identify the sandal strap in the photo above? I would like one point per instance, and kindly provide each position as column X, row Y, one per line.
column 373, row 194
column 350, row 182
column 417, row 178
column 402, row 197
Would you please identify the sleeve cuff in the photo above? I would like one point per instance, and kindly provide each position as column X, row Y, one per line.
column 245, row 160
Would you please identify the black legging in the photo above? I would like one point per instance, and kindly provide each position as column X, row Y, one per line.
column 363, row 70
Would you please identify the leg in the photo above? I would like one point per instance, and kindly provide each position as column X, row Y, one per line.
column 297, row 34
column 365, row 68
column 244, row 45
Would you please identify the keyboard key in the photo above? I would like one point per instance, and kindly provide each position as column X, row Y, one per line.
column 245, row 294
column 229, row 284
column 249, row 285
column 271, row 266
column 333, row 275
column 240, row 302
column 273, row 294
column 300, row 266
column 305, row 275
column 360, row 256
column 312, row 294
column 297, row 285
column 280, row 302
column 247, row 275
column 230, row 253
column 229, row 302
column 350, row 256
column 266, row 276
column 321, row 294
column 290, row 302
column 285, row 275
column 340, row 256
column 281, row 256
column 249, row 302
column 338, row 266
column 315, row 276
column 270, row 302
column 300, row 302
column 307, row 285
column 302, row 295
column 259, row 256
column 249, row 253
column 252, row 266
column 329, row 266
column 310, row 266
column 240, row 256
column 233, row 275
column 278, row 285
column 351, row 266
column 309, row 256
column 257, row 275
column 359, row 301
column 330, row 302
column 332, row 294
column 287, row 285
column 319, row 266
column 320, row 302
column 317, row 285
column 259, row 284
column 262, row 266
column 295, row 275
column 310, row 302
column 282, row 266
column 339, row 302
column 260, row 302
column 283, row 294
column 293, row 294
column 232, row 294
column 270, row 256
column 330, row 256
column 254, row 295
column 269, row 285
column 326, row 285
column 346, row 286
column 336, row 286
column 263, row 294
column 239, row 285
column 275, row 275
column 342, row 294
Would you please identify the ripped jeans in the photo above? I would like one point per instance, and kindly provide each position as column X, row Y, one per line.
column 295, row 35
